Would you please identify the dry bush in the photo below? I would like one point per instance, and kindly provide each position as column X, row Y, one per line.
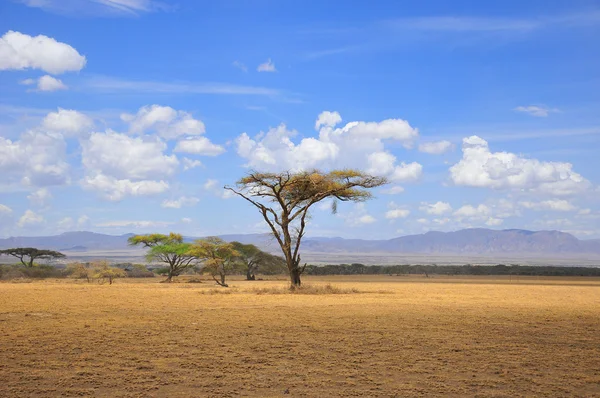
column 219, row 291
column 306, row 289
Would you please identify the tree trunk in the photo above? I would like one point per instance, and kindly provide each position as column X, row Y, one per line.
column 250, row 275
column 169, row 277
column 295, row 277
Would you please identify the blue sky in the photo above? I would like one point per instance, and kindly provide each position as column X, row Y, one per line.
column 124, row 116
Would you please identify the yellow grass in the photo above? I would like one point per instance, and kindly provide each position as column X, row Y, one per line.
column 398, row 337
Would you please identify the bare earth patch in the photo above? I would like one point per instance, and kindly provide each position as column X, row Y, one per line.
column 431, row 337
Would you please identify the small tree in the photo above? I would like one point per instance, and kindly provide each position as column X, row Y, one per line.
column 284, row 199
column 252, row 259
column 27, row 255
column 169, row 249
column 79, row 271
column 103, row 270
column 218, row 257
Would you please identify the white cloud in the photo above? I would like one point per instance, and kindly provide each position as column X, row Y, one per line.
column 49, row 83
column 470, row 211
column 68, row 122
column 356, row 145
column 20, row 51
column 134, row 224
column 357, row 216
column 504, row 170
column 186, row 220
column 30, row 218
column 492, row 222
column 584, row 212
column 268, row 66
column 328, row 119
column 199, row 146
column 437, row 208
column 366, row 219
column 215, row 188
column 240, row 66
column 397, row 213
column 190, row 163
column 4, row 210
column 166, row 121
column 40, row 197
column 436, row 148
column 534, row 110
column 393, row 190
column 37, row 159
column 117, row 189
column 65, row 224
column 551, row 204
column 178, row 203
column 125, row 157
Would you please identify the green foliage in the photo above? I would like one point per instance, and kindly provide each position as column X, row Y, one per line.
column 169, row 249
column 218, row 257
column 27, row 255
column 253, row 260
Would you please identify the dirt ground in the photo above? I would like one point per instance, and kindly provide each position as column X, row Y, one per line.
column 400, row 337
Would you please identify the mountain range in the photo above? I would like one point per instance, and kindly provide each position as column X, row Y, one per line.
column 475, row 241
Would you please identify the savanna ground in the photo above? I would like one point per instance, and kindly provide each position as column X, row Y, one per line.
column 400, row 336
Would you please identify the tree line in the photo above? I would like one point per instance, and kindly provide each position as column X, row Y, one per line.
column 468, row 269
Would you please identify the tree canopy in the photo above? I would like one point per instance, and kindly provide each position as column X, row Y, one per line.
column 284, row 199
column 169, row 249
column 27, row 255
column 217, row 257
column 253, row 259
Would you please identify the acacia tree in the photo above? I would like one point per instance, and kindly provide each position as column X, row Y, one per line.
column 27, row 255
column 103, row 270
column 284, row 200
column 254, row 259
column 217, row 255
column 169, row 249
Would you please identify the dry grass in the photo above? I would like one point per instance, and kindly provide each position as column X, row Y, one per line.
column 305, row 289
column 432, row 337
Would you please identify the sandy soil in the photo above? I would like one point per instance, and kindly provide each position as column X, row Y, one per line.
column 400, row 337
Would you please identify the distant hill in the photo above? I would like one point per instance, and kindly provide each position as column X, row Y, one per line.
column 475, row 241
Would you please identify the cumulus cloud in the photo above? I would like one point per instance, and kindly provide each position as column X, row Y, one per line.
column 68, row 122
column 328, row 119
column 117, row 189
column 535, row 110
column 504, row 170
column 125, row 157
column 118, row 165
column 437, row 208
column 469, row 211
column 397, row 213
column 357, row 145
column 166, row 121
column 357, row 216
column 267, row 66
column 393, row 190
column 30, row 218
column 40, row 197
column 36, row 159
column 550, row 205
column 199, row 146
column 45, row 83
column 68, row 223
column 436, row 148
column 20, row 51
column 178, row 203
column 189, row 164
